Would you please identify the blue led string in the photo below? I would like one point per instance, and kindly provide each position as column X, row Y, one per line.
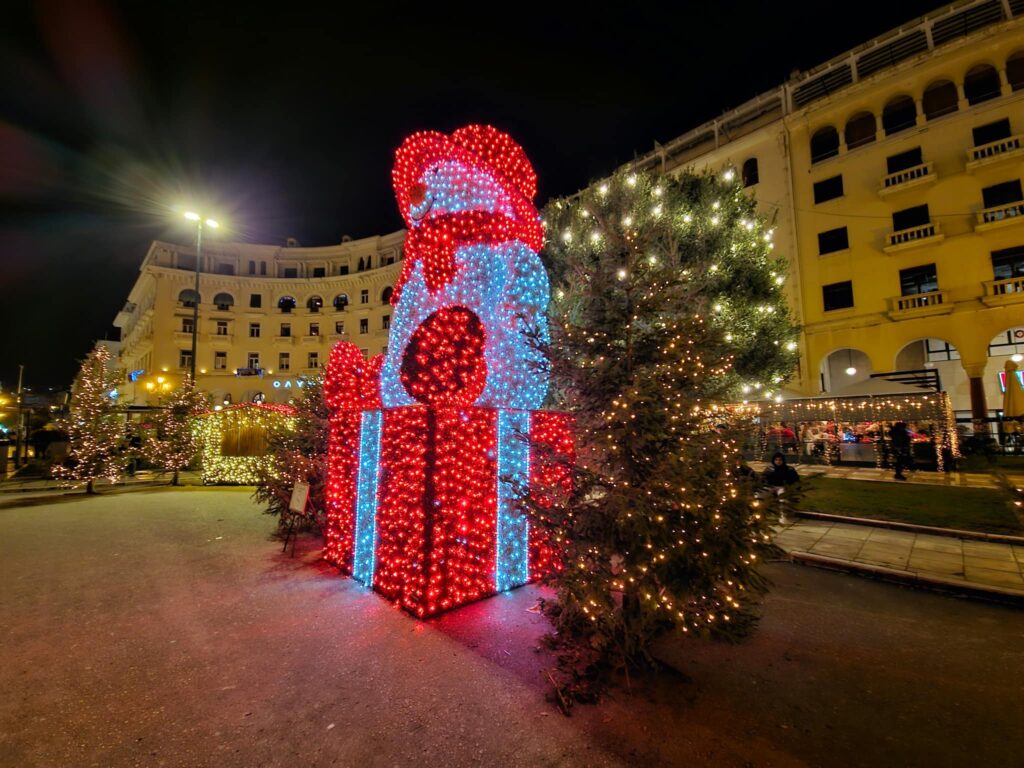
column 364, row 559
column 512, row 561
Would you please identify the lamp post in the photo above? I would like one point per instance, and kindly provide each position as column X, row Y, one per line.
column 193, row 216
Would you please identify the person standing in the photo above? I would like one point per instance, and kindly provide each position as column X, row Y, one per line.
column 899, row 435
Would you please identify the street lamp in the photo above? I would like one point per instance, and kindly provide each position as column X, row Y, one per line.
column 212, row 224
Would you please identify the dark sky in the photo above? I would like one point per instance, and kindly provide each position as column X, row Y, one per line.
column 284, row 121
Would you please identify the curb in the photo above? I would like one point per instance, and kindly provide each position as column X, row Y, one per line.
column 955, row 533
column 912, row 578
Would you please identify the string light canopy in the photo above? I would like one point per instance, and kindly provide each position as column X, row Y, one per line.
column 233, row 441
column 431, row 444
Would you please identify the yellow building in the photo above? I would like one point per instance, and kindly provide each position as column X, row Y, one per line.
column 893, row 173
column 268, row 315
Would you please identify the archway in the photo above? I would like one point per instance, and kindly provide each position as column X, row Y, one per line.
column 842, row 368
column 935, row 362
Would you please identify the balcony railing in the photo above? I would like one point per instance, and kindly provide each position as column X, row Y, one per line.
column 903, row 238
column 1001, row 213
column 923, row 171
column 994, row 150
column 935, row 302
column 1008, row 291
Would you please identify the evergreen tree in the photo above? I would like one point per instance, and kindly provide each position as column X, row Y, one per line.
column 175, row 443
column 95, row 430
column 667, row 305
column 299, row 454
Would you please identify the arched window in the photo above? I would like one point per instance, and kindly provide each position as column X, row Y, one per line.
column 252, row 267
column 385, row 295
column 940, row 98
column 286, row 304
column 263, row 267
column 314, row 303
column 224, row 301
column 860, row 130
column 188, row 298
column 981, row 83
column 899, row 114
column 824, row 144
column 750, row 177
column 361, row 266
column 341, row 301
column 1015, row 70
column 369, row 262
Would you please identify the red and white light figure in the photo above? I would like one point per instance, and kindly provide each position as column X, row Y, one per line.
column 431, row 443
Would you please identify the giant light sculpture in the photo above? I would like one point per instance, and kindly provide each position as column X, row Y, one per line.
column 430, row 442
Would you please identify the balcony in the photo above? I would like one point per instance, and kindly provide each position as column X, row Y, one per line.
column 999, row 293
column 220, row 339
column 1012, row 147
column 314, row 339
column 334, row 338
column 183, row 336
column 1000, row 216
column 920, row 305
column 284, row 339
column 905, row 239
column 909, row 178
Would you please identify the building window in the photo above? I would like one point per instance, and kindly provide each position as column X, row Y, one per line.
column 314, row 360
column 940, row 98
column 254, row 330
column 343, row 269
column 1008, row 263
column 341, row 301
column 915, row 280
column 910, row 218
column 837, row 295
column 361, row 265
column 390, row 259
column 286, row 330
column 185, row 358
column 224, row 301
column 339, row 327
column 364, row 296
column 385, row 295
column 286, row 304
column 1002, row 195
column 255, row 300
column 1015, row 70
column 254, row 360
column 981, row 83
column 284, row 361
column 225, row 269
column 252, row 267
column 833, row 240
column 291, row 271
column 991, row 132
column 904, row 160
column 828, row 189
column 749, row 172
column 938, row 351
column 386, row 322
column 364, row 325
column 263, row 267
column 188, row 298
column 220, row 361
column 824, row 144
column 187, row 325
column 314, row 329
column 314, row 303
column 366, row 352
column 319, row 272
column 860, row 130
column 899, row 114
column 222, row 327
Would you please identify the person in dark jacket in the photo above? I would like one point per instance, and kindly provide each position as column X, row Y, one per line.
column 899, row 434
column 780, row 474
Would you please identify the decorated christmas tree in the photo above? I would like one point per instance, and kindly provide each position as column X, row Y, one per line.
column 94, row 428
column 298, row 453
column 175, row 442
column 667, row 307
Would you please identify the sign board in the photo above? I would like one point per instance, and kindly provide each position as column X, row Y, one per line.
column 300, row 496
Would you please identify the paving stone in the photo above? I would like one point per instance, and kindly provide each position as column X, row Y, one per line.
column 847, row 548
column 1010, row 566
column 988, row 550
column 951, row 566
column 938, row 544
column 997, row 578
column 850, row 531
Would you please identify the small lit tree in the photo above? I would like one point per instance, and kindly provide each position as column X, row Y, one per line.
column 175, row 441
column 298, row 448
column 96, row 432
column 667, row 305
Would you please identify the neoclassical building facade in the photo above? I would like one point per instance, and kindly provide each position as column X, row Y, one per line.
column 268, row 315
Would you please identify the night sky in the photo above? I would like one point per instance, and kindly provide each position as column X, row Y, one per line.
column 285, row 124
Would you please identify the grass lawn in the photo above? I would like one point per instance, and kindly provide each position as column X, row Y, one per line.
column 973, row 509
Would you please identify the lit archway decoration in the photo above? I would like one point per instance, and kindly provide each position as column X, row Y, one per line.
column 431, row 443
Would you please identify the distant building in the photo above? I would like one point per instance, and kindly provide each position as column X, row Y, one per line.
column 268, row 315
column 893, row 173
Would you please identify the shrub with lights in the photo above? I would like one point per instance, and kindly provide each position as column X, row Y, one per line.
column 667, row 305
column 430, row 443
column 234, row 442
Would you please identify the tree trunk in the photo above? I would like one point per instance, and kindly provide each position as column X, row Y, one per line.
column 175, row 480
column 89, row 488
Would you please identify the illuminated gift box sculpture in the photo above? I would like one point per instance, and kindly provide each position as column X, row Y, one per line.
column 427, row 442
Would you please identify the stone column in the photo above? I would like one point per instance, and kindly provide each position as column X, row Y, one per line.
column 979, row 407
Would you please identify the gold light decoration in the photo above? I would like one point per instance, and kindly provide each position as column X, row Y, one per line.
column 233, row 441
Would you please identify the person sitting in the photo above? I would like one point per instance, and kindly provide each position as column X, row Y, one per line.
column 780, row 474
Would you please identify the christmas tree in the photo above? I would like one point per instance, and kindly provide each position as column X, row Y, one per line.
column 176, row 442
column 94, row 428
column 298, row 452
column 667, row 306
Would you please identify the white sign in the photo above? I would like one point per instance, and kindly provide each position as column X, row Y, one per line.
column 300, row 496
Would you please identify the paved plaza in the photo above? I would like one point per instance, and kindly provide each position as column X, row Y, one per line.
column 168, row 629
